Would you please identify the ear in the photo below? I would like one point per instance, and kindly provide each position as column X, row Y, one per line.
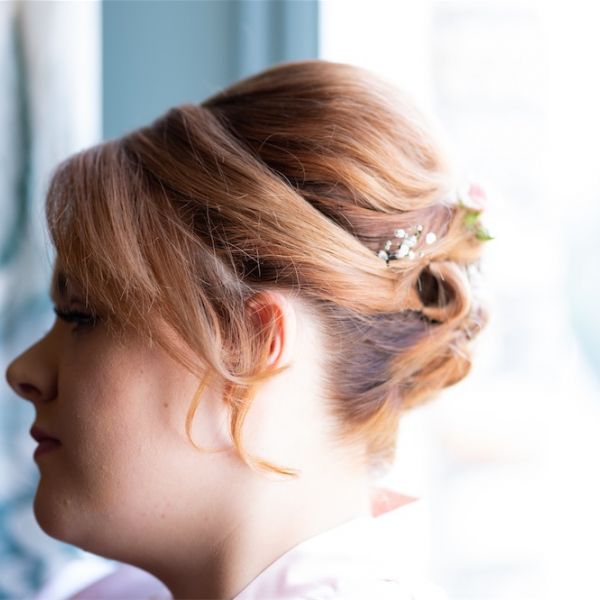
column 274, row 307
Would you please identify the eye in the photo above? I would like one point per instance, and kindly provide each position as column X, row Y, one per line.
column 82, row 320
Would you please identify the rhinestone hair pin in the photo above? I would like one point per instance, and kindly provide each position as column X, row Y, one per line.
column 471, row 197
column 405, row 243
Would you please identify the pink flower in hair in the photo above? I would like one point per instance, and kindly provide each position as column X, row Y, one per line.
column 474, row 199
column 477, row 197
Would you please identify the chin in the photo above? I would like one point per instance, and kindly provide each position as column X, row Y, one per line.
column 53, row 516
column 65, row 522
column 59, row 515
column 65, row 518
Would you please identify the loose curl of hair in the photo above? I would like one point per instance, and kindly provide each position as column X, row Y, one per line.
column 288, row 180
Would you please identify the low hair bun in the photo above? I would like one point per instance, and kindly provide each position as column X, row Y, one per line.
column 444, row 291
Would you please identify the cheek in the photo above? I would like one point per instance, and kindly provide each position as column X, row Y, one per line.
column 122, row 418
column 125, row 426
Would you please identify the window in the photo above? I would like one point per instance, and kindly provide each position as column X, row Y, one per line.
column 506, row 459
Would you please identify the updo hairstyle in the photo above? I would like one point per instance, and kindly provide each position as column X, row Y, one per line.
column 289, row 180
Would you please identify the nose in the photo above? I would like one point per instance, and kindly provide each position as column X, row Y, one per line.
column 31, row 375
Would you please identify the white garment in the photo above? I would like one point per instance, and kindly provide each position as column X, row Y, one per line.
column 349, row 562
column 366, row 558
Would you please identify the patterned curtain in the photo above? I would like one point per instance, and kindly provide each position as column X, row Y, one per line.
column 49, row 108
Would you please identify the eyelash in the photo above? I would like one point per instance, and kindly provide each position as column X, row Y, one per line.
column 82, row 320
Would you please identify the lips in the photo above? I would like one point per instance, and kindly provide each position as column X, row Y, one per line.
column 39, row 434
column 46, row 442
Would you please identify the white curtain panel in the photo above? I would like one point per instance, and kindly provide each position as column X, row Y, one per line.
column 50, row 107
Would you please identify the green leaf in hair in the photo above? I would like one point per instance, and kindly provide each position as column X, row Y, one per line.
column 482, row 234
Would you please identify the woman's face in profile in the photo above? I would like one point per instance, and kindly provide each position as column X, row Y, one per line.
column 117, row 407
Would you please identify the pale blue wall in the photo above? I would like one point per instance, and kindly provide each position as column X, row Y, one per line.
column 157, row 54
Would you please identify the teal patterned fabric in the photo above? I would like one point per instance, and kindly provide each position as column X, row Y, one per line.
column 39, row 128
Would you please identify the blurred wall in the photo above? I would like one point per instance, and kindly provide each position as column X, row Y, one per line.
column 162, row 53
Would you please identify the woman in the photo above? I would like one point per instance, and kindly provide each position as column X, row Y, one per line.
column 249, row 293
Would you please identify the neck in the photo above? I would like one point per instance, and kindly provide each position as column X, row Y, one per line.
column 257, row 537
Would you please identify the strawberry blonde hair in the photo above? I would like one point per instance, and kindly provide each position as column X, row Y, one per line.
column 289, row 180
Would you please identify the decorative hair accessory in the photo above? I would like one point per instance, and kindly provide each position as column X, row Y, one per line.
column 471, row 198
column 406, row 242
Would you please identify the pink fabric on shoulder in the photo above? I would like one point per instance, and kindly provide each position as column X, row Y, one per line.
column 384, row 500
column 126, row 582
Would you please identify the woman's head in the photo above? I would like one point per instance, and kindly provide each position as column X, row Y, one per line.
column 193, row 236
